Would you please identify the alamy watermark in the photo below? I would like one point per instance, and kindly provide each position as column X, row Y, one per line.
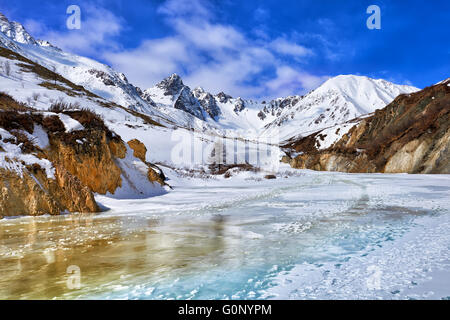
column 73, row 22
column 374, row 21
column 193, row 149
column 74, row 277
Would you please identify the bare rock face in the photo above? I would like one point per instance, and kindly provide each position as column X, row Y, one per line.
column 154, row 174
column 187, row 102
column 410, row 135
column 92, row 161
column 182, row 96
column 223, row 97
column 35, row 194
column 208, row 102
column 118, row 148
column 171, row 85
column 139, row 149
column 239, row 106
column 62, row 175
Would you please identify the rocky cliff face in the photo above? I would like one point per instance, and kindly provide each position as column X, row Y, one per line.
column 33, row 193
column 88, row 155
column 411, row 134
column 208, row 102
column 47, row 168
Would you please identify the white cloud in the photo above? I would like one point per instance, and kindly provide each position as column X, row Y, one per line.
column 231, row 73
column 216, row 56
column 289, row 80
column 34, row 27
column 207, row 36
column 283, row 46
column 98, row 29
column 152, row 61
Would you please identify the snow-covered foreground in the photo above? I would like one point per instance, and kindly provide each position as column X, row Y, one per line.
column 306, row 235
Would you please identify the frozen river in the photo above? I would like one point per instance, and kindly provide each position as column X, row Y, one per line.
column 307, row 236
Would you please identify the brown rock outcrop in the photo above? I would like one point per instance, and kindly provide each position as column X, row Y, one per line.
column 154, row 173
column 139, row 149
column 410, row 135
column 91, row 161
column 35, row 194
column 83, row 161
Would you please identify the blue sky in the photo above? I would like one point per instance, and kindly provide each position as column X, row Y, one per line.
column 250, row 48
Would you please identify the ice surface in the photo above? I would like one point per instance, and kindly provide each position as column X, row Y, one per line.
column 305, row 235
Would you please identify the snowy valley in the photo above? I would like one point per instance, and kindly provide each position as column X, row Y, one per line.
column 173, row 187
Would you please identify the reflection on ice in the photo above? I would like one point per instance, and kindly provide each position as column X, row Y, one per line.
column 311, row 236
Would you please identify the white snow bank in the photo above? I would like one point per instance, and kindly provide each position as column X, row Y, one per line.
column 12, row 159
column 135, row 184
column 332, row 135
column 40, row 137
column 69, row 123
column 5, row 134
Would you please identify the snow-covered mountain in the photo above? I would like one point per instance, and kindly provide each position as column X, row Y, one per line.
column 172, row 92
column 175, row 105
column 336, row 101
column 96, row 77
column 220, row 111
column 15, row 31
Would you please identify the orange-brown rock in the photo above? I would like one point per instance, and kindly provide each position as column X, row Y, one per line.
column 35, row 194
column 91, row 161
column 139, row 149
column 118, row 148
column 155, row 174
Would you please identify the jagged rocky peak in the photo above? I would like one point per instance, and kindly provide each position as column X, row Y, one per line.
column 223, row 97
column 123, row 77
column 17, row 32
column 45, row 43
column 171, row 85
column 199, row 92
column 208, row 102
column 186, row 101
column 276, row 106
column 239, row 105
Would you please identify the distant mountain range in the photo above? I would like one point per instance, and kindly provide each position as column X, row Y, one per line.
column 172, row 102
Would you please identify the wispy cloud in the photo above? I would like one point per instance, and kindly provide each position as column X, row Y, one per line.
column 284, row 46
column 215, row 56
column 288, row 80
column 97, row 34
column 152, row 61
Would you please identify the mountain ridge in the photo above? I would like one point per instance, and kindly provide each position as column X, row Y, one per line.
column 174, row 103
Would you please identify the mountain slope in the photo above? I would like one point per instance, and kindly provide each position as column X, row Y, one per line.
column 96, row 77
column 338, row 100
column 411, row 134
column 156, row 115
